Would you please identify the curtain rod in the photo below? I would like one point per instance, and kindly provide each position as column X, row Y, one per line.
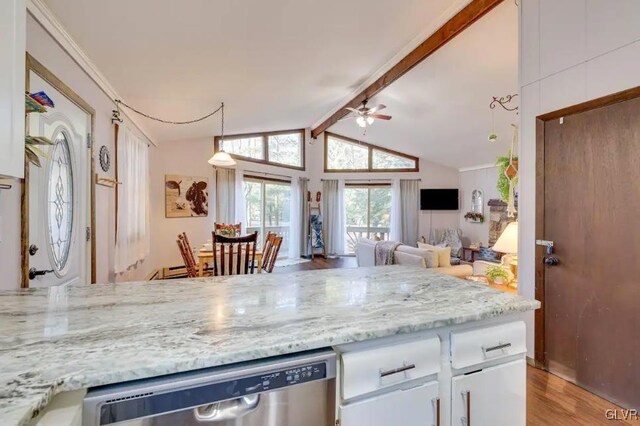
column 368, row 180
column 267, row 174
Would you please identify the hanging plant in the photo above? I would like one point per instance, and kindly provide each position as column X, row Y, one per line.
column 503, row 183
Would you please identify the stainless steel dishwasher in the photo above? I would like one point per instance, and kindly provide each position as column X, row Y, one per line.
column 294, row 390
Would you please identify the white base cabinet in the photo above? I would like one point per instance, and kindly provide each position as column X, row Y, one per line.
column 417, row 406
column 494, row 396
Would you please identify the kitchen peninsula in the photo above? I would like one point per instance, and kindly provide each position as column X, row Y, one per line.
column 58, row 340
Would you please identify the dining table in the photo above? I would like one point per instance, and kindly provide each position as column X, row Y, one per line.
column 206, row 256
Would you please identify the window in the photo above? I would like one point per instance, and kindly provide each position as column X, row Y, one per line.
column 267, row 209
column 342, row 154
column 368, row 211
column 285, row 149
column 60, row 217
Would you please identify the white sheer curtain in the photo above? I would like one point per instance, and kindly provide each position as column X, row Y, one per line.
column 410, row 206
column 132, row 236
column 225, row 195
column 241, row 203
column 294, row 219
column 334, row 216
column 395, row 231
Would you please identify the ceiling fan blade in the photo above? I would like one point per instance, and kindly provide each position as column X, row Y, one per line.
column 376, row 109
column 347, row 117
column 353, row 110
column 380, row 116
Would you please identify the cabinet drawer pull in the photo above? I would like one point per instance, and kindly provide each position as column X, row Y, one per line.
column 397, row 370
column 498, row 347
column 466, row 396
column 436, row 411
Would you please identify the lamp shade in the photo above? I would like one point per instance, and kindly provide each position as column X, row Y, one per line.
column 222, row 159
column 508, row 241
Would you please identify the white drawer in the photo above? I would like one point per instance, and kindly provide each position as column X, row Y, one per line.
column 369, row 370
column 485, row 344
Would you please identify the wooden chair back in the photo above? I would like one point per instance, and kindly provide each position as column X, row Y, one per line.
column 270, row 251
column 218, row 227
column 187, row 255
column 234, row 255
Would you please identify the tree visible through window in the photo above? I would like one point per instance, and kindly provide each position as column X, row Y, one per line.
column 368, row 212
column 267, row 209
column 284, row 149
column 344, row 154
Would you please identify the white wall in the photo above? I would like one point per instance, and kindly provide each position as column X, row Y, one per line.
column 572, row 51
column 43, row 48
column 484, row 179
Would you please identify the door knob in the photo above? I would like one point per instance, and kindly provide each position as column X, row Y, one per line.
column 33, row 272
column 551, row 261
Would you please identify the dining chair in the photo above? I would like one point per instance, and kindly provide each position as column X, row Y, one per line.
column 234, row 255
column 270, row 252
column 226, row 228
column 187, row 255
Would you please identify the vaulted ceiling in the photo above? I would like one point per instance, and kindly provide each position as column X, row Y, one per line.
column 283, row 64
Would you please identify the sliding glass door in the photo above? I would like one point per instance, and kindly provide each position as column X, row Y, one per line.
column 267, row 209
column 368, row 211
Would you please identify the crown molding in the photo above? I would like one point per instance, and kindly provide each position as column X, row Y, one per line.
column 478, row 167
column 45, row 17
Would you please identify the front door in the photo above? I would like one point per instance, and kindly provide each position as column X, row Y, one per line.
column 591, row 206
column 59, row 199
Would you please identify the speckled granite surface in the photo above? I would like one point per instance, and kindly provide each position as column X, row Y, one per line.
column 60, row 339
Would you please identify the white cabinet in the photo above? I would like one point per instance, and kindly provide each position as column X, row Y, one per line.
column 418, row 406
column 493, row 396
column 12, row 86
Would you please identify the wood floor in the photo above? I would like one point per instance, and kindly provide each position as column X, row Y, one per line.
column 551, row 400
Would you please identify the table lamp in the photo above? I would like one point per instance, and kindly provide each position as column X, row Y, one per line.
column 508, row 244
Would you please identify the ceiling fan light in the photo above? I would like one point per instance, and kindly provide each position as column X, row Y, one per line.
column 361, row 121
column 370, row 120
column 222, row 159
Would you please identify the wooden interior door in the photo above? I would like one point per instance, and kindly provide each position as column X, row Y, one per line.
column 589, row 206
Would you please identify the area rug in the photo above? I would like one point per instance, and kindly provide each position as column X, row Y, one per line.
column 281, row 263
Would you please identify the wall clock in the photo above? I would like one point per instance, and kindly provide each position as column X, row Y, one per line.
column 105, row 159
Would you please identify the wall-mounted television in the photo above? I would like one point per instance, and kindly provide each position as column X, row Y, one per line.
column 439, row 199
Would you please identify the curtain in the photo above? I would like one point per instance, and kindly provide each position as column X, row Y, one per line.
column 410, row 206
column 294, row 219
column 240, row 209
column 225, row 195
column 334, row 216
column 395, row 231
column 304, row 217
column 132, row 236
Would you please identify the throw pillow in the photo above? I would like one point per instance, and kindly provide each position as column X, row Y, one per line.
column 444, row 254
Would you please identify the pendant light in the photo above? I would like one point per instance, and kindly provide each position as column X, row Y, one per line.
column 221, row 158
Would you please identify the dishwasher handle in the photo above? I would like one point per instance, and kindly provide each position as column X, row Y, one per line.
column 227, row 410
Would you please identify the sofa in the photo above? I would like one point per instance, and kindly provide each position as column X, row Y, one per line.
column 406, row 255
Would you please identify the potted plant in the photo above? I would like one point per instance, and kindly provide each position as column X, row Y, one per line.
column 474, row 217
column 503, row 164
column 498, row 275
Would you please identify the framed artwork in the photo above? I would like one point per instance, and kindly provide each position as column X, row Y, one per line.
column 186, row 196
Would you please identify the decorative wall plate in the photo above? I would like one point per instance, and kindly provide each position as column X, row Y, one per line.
column 105, row 159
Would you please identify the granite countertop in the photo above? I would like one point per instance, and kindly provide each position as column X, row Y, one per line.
column 63, row 339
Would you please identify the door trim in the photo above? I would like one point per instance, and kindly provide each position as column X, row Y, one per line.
column 539, row 328
column 35, row 66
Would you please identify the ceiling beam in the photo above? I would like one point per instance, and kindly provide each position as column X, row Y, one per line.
column 454, row 26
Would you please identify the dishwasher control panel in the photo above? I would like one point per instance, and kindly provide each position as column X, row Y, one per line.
column 283, row 378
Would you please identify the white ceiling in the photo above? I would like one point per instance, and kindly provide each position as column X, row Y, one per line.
column 277, row 64
column 441, row 109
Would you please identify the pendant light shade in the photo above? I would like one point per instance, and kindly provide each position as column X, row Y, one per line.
column 221, row 158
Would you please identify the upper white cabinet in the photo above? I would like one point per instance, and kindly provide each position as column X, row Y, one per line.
column 12, row 85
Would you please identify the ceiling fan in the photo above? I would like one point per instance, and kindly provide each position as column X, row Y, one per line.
column 366, row 116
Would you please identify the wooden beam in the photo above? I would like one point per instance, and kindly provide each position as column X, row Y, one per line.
column 454, row 26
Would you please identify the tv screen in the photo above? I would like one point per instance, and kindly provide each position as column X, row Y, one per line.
column 439, row 199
